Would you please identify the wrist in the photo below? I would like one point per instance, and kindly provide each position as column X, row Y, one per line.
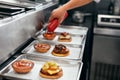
column 63, row 8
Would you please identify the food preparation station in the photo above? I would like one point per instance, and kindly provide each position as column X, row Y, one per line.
column 20, row 30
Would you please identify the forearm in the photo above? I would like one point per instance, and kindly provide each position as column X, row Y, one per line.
column 59, row 12
column 74, row 4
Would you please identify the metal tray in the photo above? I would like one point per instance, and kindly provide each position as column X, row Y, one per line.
column 78, row 34
column 18, row 3
column 71, row 68
column 77, row 30
column 75, row 50
column 8, row 11
column 76, row 39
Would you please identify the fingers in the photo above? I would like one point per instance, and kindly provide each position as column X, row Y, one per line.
column 57, row 14
column 51, row 17
column 60, row 20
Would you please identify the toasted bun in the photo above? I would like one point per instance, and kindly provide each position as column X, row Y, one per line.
column 55, row 76
column 59, row 54
column 64, row 40
column 43, row 49
column 22, row 66
column 49, row 36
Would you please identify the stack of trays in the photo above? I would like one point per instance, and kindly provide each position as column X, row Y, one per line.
column 71, row 64
column 76, row 46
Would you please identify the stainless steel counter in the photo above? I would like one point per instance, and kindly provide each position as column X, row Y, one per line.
column 17, row 29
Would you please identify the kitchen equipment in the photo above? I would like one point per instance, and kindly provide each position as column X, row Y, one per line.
column 108, row 20
column 52, row 25
column 24, row 25
column 7, row 12
column 105, row 56
column 79, row 16
column 10, row 10
column 106, row 53
column 29, row 4
column 19, row 3
column 31, row 54
column 75, row 46
column 68, row 66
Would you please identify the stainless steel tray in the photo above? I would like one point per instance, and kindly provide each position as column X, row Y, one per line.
column 11, row 11
column 76, row 39
column 78, row 34
column 71, row 68
column 22, row 3
column 77, row 30
column 75, row 50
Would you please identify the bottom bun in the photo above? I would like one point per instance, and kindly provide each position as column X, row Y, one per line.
column 49, row 36
column 55, row 76
column 59, row 54
column 65, row 40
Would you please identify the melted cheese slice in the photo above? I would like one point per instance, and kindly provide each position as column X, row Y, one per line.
column 51, row 67
column 68, row 36
column 53, row 71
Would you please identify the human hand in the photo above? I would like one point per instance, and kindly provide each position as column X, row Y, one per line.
column 58, row 13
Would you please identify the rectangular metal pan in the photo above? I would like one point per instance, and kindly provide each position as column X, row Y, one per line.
column 78, row 34
column 9, row 6
column 76, row 39
column 75, row 50
column 77, row 30
column 18, row 3
column 71, row 68
column 10, row 11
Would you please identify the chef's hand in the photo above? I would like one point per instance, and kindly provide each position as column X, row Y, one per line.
column 60, row 12
column 57, row 14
